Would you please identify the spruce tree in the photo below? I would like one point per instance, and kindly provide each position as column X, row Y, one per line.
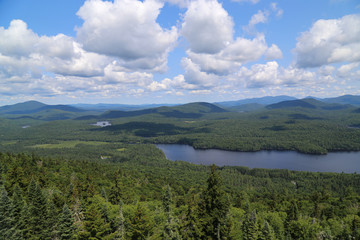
column 267, row 233
column 6, row 216
column 191, row 226
column 120, row 226
column 18, row 210
column 140, row 224
column 51, row 221
column 214, row 208
column 18, row 202
column 250, row 227
column 66, row 224
column 95, row 226
column 37, row 211
column 170, row 230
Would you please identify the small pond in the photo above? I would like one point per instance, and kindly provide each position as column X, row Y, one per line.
column 102, row 124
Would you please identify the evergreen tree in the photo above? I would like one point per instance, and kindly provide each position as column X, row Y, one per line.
column 171, row 230
column 6, row 216
column 120, row 223
column 103, row 193
column 267, row 232
column 66, row 223
column 115, row 191
column 140, row 224
column 51, row 220
column 250, row 227
column 167, row 199
column 214, row 208
column 37, row 211
column 18, row 206
column 23, row 224
column 120, row 226
column 95, row 226
column 18, row 202
column 191, row 227
column 292, row 214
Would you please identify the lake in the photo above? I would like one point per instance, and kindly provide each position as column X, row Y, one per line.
column 347, row 162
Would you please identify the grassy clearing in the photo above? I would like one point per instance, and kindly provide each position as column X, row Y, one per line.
column 68, row 144
column 6, row 143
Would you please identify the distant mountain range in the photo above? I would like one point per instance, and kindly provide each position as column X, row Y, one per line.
column 346, row 99
column 101, row 107
column 309, row 103
column 263, row 101
column 40, row 111
column 35, row 107
column 190, row 110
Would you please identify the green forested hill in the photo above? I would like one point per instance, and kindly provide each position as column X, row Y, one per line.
column 191, row 110
column 21, row 107
column 316, row 130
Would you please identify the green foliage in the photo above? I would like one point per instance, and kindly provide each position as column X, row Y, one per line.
column 141, row 224
column 214, row 208
column 145, row 196
column 250, row 227
column 66, row 224
column 6, row 216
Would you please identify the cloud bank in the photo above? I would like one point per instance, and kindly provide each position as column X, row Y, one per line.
column 121, row 49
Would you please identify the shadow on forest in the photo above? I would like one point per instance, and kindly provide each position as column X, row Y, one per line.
column 149, row 129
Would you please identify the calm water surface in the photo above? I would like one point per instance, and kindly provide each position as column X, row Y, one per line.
column 348, row 162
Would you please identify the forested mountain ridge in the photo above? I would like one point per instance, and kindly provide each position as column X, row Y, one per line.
column 40, row 111
column 190, row 110
column 309, row 103
column 316, row 128
column 19, row 107
column 263, row 101
column 346, row 99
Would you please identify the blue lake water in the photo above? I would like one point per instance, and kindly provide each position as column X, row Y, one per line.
column 347, row 162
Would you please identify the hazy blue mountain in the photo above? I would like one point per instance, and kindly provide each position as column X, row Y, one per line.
column 102, row 107
column 346, row 99
column 21, row 107
column 190, row 110
column 36, row 107
column 249, row 107
column 309, row 103
column 263, row 100
column 290, row 104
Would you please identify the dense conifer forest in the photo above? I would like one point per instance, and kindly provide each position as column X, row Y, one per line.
column 149, row 197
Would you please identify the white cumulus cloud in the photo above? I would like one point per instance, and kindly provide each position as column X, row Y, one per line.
column 273, row 52
column 330, row 41
column 17, row 40
column 195, row 76
column 271, row 74
column 207, row 27
column 126, row 29
column 213, row 51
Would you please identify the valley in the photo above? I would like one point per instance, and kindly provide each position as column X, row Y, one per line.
column 104, row 168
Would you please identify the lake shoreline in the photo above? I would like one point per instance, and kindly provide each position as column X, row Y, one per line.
column 348, row 162
column 265, row 149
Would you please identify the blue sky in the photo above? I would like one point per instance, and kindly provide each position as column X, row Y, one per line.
column 177, row 51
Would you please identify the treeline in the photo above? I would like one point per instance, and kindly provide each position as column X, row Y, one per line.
column 147, row 197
